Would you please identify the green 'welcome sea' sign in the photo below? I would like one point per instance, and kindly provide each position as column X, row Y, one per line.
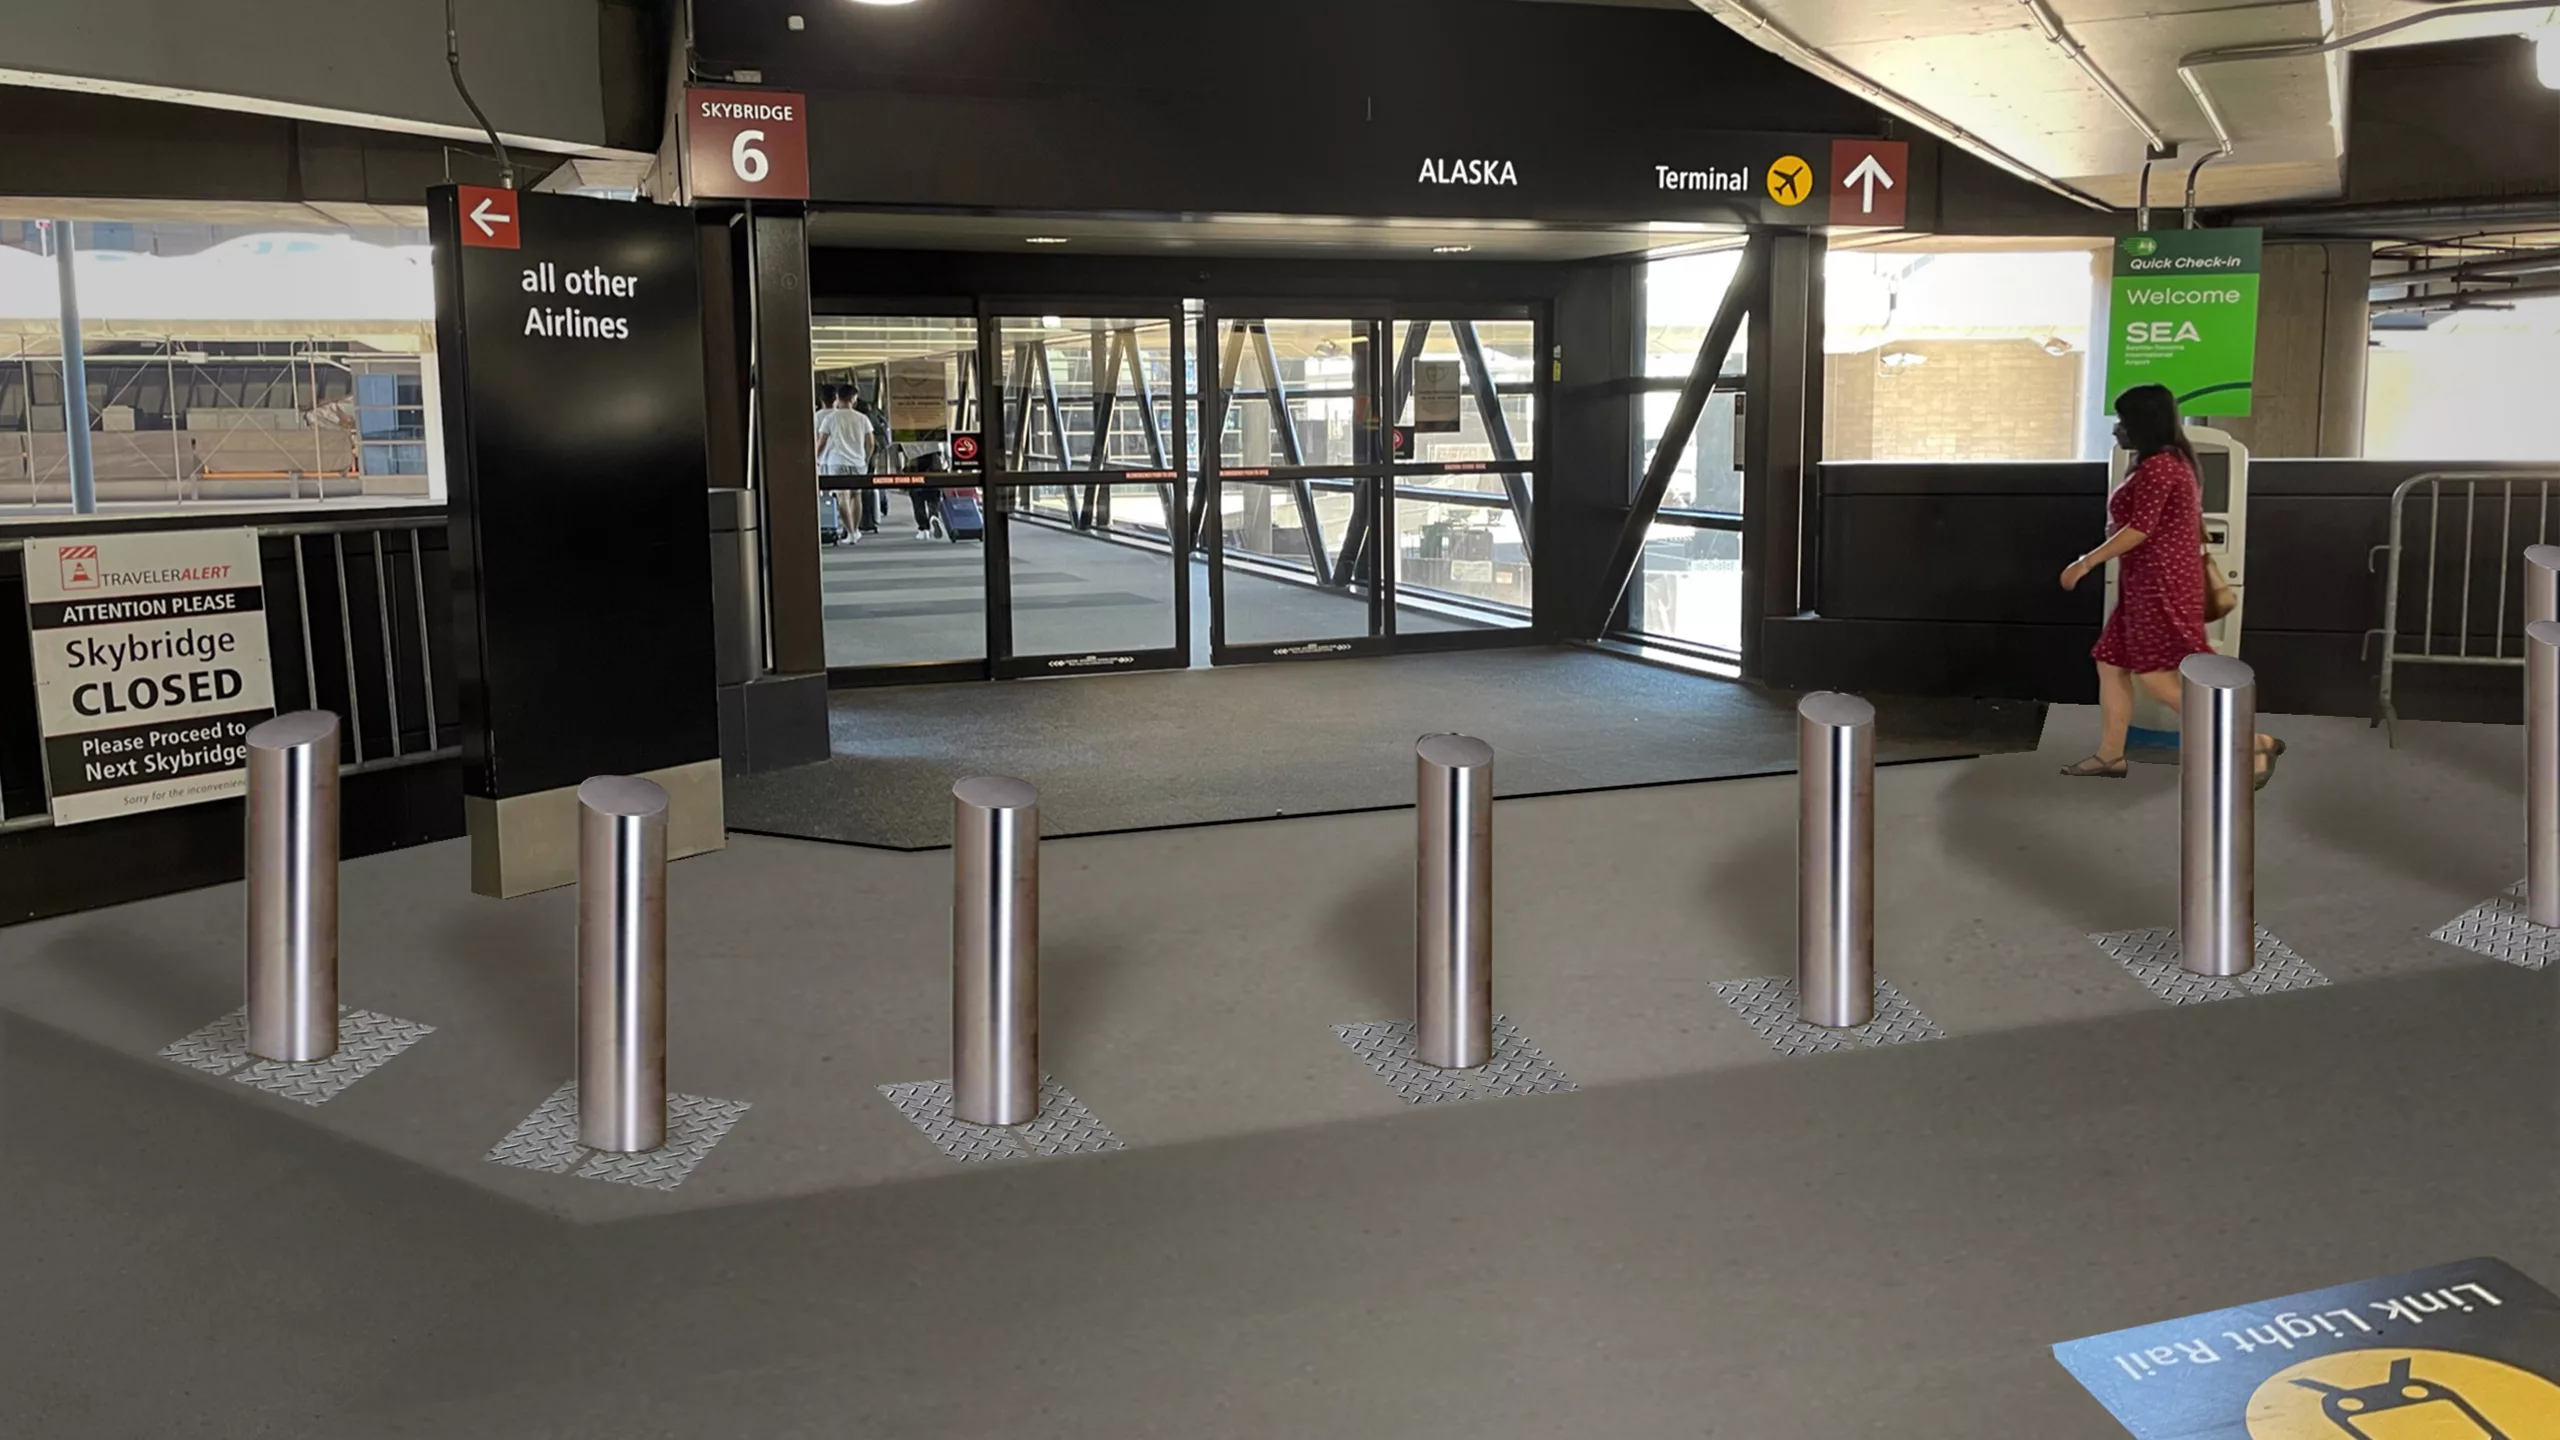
column 2186, row 316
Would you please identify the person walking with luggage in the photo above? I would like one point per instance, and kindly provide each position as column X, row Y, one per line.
column 875, row 506
column 927, row 499
column 2157, row 520
column 844, row 452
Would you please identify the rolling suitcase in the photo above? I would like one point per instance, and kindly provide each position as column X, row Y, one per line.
column 830, row 519
column 961, row 517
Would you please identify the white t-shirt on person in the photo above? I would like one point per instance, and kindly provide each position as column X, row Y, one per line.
column 844, row 443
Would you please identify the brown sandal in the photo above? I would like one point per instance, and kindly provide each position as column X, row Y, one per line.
column 2094, row 768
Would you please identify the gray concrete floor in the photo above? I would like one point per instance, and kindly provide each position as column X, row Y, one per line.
column 1707, row 1239
column 896, row 599
column 1128, row 752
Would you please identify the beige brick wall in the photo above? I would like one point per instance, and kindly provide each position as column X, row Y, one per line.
column 1969, row 400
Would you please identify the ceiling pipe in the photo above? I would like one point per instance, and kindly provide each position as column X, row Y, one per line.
column 2193, row 171
column 1748, row 17
column 2520, row 262
column 2472, row 301
column 2304, row 49
column 2051, row 25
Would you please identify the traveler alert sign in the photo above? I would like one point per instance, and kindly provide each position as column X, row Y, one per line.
column 2185, row 314
column 2460, row 1352
column 151, row 665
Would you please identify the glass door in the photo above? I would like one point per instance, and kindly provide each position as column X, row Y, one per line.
column 905, row 596
column 1294, row 493
column 1087, row 545
column 1465, row 400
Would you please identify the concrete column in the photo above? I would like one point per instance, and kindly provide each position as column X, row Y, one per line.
column 2313, row 324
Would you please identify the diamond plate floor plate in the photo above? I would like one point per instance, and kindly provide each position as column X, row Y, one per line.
column 547, row 1140
column 2499, row 929
column 2152, row 956
column 1063, row 1127
column 366, row 1043
column 1769, row 1005
column 1517, row 1067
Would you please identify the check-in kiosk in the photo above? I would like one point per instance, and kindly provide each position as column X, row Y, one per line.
column 2222, row 465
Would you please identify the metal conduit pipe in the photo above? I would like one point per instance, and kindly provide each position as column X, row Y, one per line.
column 2051, row 25
column 2465, row 299
column 1747, row 17
column 2302, row 49
column 2192, row 172
column 2521, row 262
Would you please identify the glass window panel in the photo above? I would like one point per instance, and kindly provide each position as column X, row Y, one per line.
column 1456, row 551
column 1072, row 389
column 1510, row 360
column 1316, row 365
column 1962, row 356
column 1077, row 592
column 2470, row 383
column 1709, row 476
column 1681, row 296
column 897, row 590
column 1689, row 587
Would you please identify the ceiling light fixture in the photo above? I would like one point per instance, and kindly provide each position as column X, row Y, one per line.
column 884, row 2
column 1035, row 239
column 1451, row 249
column 2546, row 57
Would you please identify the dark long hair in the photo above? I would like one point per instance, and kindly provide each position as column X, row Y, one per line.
column 2151, row 423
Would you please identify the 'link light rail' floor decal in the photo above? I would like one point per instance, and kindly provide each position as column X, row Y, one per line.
column 366, row 1043
column 547, row 1140
column 2152, row 957
column 1770, row 1006
column 1517, row 1067
column 1063, row 1126
column 2499, row 929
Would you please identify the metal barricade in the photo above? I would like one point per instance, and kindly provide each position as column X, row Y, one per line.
column 2517, row 496
column 359, row 632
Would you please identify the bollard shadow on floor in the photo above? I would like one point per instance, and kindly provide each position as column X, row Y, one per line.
column 1369, row 938
column 159, row 985
column 2031, row 830
column 1750, row 897
column 516, row 960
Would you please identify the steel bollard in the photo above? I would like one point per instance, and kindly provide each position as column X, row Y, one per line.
column 2541, row 583
column 292, row 971
column 1836, row 860
column 622, row 964
column 2217, row 759
column 2542, row 772
column 1453, row 901
column 995, row 951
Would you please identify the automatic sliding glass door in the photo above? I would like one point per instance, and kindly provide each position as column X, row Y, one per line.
column 1330, row 533
column 1293, row 461
column 1085, row 526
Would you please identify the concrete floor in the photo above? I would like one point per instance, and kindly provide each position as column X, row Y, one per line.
column 896, row 599
column 1707, row 1239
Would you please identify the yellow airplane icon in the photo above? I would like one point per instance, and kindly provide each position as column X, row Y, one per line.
column 1790, row 180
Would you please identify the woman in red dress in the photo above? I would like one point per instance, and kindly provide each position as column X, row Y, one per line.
column 2157, row 518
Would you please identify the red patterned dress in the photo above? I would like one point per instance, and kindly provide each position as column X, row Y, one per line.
column 2159, row 615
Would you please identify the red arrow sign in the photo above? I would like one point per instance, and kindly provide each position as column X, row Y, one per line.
column 1870, row 182
column 488, row 217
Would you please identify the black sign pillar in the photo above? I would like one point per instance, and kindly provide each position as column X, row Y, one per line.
column 569, row 336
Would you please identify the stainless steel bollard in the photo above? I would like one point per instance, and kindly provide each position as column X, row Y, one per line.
column 1453, row 901
column 622, row 964
column 995, row 951
column 292, row 971
column 2541, row 583
column 2217, row 759
column 1836, row 860
column 2542, row 772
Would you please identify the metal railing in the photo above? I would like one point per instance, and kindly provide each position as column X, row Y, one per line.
column 2500, row 647
column 356, row 635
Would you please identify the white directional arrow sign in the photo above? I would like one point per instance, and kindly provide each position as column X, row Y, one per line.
column 1864, row 180
column 489, row 220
